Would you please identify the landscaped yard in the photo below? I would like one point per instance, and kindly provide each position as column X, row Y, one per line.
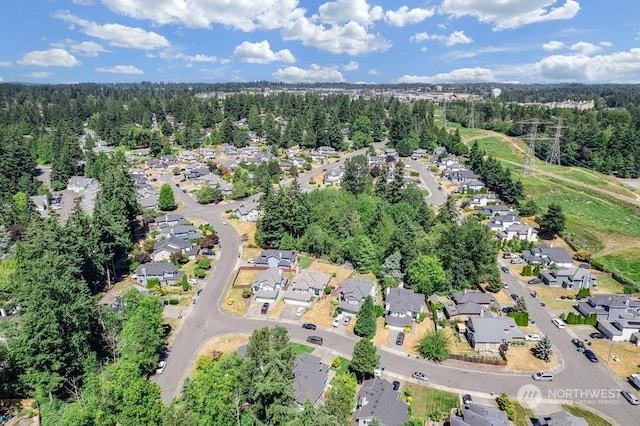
column 304, row 261
column 417, row 331
column 519, row 358
column 299, row 349
column 592, row 418
column 321, row 312
column 425, row 401
column 344, row 366
column 234, row 303
column 382, row 334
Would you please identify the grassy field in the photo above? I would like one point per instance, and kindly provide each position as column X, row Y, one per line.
column 497, row 148
column 426, row 401
column 520, row 358
column 625, row 262
column 238, row 305
column 523, row 415
column 304, row 261
column 628, row 356
column 591, row 418
column 224, row 344
column 299, row 349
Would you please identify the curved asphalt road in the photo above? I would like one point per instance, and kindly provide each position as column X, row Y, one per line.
column 206, row 320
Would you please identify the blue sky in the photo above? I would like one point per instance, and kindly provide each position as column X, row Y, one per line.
column 373, row 41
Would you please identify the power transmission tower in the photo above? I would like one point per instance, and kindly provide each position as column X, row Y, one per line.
column 472, row 123
column 529, row 165
column 554, row 155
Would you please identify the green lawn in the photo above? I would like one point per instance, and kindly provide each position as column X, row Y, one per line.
column 523, row 415
column 591, row 418
column 304, row 261
column 344, row 366
column 426, row 401
column 299, row 349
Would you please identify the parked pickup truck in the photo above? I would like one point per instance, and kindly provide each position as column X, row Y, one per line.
column 634, row 379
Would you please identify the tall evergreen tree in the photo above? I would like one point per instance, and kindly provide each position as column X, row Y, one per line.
column 166, row 200
column 366, row 319
column 365, row 359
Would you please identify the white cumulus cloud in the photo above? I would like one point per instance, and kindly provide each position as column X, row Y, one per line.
column 504, row 15
column 456, row 37
column 462, row 75
column 121, row 69
column 341, row 11
column 87, row 48
column 41, row 74
column 117, row 34
column 622, row 67
column 584, row 48
column 313, row 74
column 553, row 45
column 261, row 53
column 351, row 66
column 49, row 58
column 405, row 16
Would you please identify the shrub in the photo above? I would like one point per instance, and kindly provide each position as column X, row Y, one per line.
column 334, row 302
column 173, row 301
column 336, row 363
column 506, row 405
column 327, row 289
column 584, row 292
column 246, row 293
column 378, row 310
column 421, row 317
column 199, row 273
column 407, row 329
column 185, row 283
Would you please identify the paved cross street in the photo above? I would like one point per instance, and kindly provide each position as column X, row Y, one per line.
column 574, row 375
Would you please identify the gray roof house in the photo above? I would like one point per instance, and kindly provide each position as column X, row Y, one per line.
column 247, row 212
column 487, row 333
column 481, row 200
column 267, row 284
column 574, row 278
column 401, row 306
column 518, row 231
column 491, row 211
column 353, row 291
column 164, row 249
column 87, row 189
column 561, row 418
column 310, row 376
column 333, row 177
column 618, row 315
column 182, row 231
column 285, row 259
column 149, row 202
column 469, row 303
column 41, row 202
column 547, row 256
column 378, row 400
column 480, row 415
column 306, row 285
column 502, row 222
column 167, row 273
column 169, row 220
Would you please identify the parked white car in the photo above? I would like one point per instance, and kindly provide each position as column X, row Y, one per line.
column 299, row 311
column 161, row 366
column 338, row 320
column 532, row 337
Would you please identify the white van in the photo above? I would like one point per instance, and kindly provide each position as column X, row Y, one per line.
column 558, row 323
column 338, row 320
column 542, row 376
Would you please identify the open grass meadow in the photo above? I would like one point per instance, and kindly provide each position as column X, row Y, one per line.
column 625, row 262
column 500, row 149
column 425, row 401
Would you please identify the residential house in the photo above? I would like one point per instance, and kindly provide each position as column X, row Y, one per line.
column 41, row 202
column 333, row 177
column 149, row 203
column 377, row 400
column 495, row 210
column 181, row 231
column 390, row 154
column 401, row 306
column 520, row 232
column 468, row 304
column 461, row 175
column 310, row 376
column 87, row 189
column 560, row 418
column 213, row 180
column 187, row 156
column 437, row 153
column 573, row 278
column 418, row 154
column 168, row 220
column 480, row 415
column 500, row 223
column 474, row 185
column 78, row 184
column 197, row 172
column 488, row 333
column 327, row 151
column 482, row 200
column 316, row 157
column 267, row 284
column 353, row 291
column 375, row 161
column 547, row 256
column 247, row 212
column 169, row 160
column 306, row 285
column 165, row 272
column 618, row 316
column 228, row 150
column 154, row 164
column 285, row 259
column 208, row 153
column 164, row 249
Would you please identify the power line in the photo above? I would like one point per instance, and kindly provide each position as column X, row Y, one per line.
column 554, row 155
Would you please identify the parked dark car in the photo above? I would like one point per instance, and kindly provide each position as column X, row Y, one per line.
column 597, row 335
column 590, row 355
column 400, row 339
column 316, row 340
column 514, row 297
column 396, row 385
column 578, row 344
column 466, row 399
column 534, row 281
column 309, row 326
column 265, row 308
column 504, row 269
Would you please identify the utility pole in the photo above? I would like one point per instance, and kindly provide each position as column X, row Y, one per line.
column 529, row 165
column 555, row 154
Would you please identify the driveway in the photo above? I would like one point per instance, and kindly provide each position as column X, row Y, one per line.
column 289, row 312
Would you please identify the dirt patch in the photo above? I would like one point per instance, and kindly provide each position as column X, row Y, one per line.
column 224, row 344
column 173, row 323
column 244, row 228
column 234, row 303
column 458, row 344
column 382, row 334
column 503, row 298
column 321, row 312
column 520, row 358
column 244, row 278
column 627, row 354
